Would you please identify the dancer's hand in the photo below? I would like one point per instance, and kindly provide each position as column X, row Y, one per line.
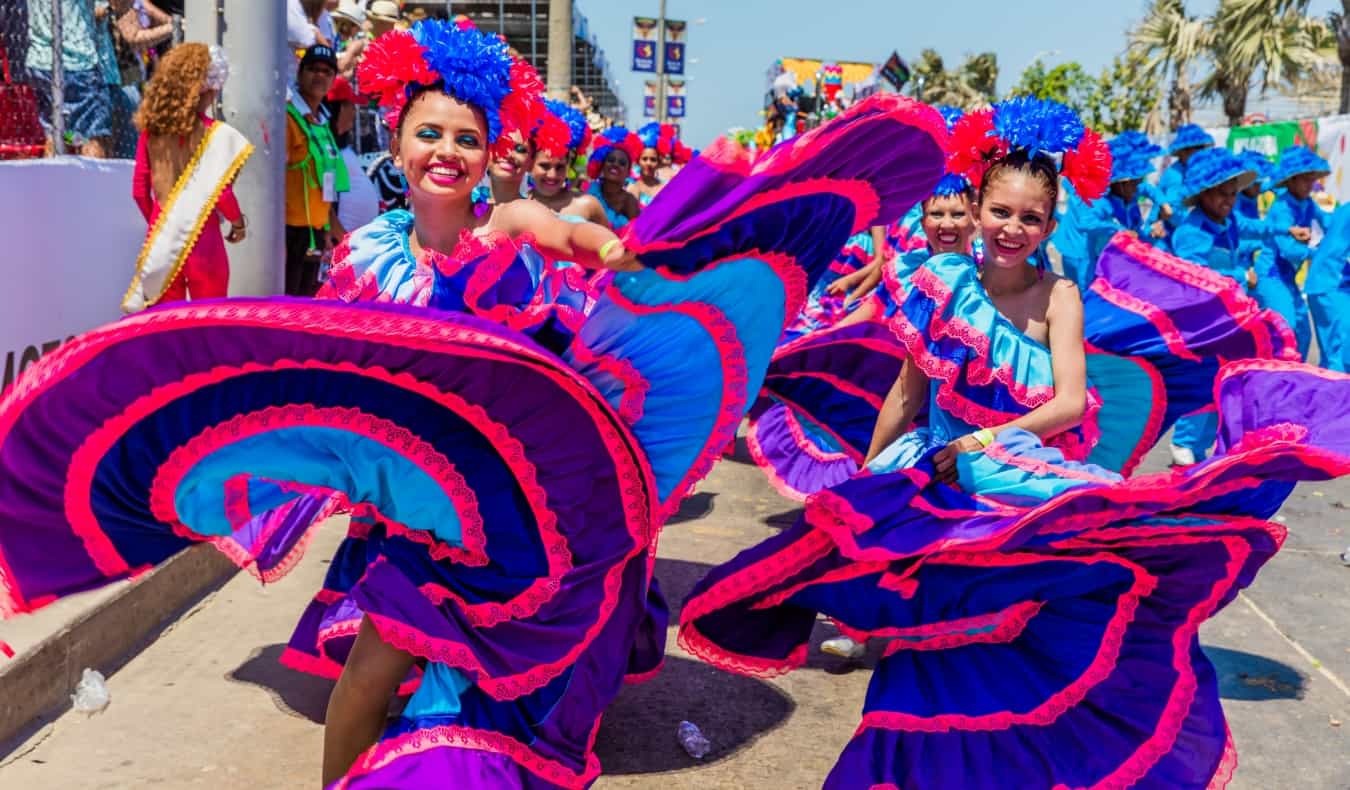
column 944, row 460
column 621, row 259
column 845, row 284
column 1158, row 230
column 236, row 234
column 1301, row 234
column 1251, row 279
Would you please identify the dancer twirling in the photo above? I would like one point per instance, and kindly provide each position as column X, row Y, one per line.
column 505, row 489
column 1041, row 613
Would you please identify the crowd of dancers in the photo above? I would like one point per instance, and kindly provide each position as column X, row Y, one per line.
column 509, row 399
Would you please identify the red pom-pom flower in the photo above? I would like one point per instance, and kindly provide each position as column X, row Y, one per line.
column 972, row 146
column 1088, row 167
column 391, row 63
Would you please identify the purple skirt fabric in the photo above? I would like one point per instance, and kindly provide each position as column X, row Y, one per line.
column 811, row 426
column 1035, row 642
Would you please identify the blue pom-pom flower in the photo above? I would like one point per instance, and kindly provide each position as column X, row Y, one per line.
column 474, row 66
column 1037, row 125
column 575, row 120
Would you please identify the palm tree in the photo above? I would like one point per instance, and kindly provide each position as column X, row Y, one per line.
column 1275, row 39
column 1169, row 40
column 969, row 87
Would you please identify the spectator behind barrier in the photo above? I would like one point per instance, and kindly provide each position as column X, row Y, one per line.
column 361, row 203
column 86, row 105
column 315, row 172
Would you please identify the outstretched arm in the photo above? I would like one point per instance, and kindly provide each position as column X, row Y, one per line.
column 582, row 242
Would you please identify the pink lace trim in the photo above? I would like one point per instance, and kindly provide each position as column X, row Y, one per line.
column 865, row 200
column 826, row 338
column 11, row 600
column 753, row 578
column 638, row 678
column 1005, row 626
column 1157, row 413
column 809, row 447
column 798, row 435
column 735, row 383
column 999, row 452
column 274, row 418
column 633, row 398
column 784, row 265
column 1058, row 703
column 849, row 572
column 701, row 647
column 1150, row 312
column 384, row 753
column 1228, row 763
column 761, row 460
column 1262, row 325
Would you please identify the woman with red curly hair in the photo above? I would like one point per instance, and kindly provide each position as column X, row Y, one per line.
column 185, row 165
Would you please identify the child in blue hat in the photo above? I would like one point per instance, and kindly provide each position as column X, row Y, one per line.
column 1084, row 229
column 1209, row 236
column 1247, row 213
column 1328, row 290
column 1290, row 222
column 1189, row 140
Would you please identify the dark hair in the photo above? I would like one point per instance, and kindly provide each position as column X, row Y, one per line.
column 334, row 107
column 415, row 92
column 1040, row 167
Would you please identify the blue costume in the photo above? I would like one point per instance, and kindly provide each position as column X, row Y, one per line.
column 1084, row 229
column 1172, row 183
column 1284, row 255
column 1328, row 290
column 1217, row 246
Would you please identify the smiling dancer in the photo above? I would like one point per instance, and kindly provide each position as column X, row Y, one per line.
column 507, row 452
column 1039, row 614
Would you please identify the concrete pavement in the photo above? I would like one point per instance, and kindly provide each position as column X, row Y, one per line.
column 207, row 705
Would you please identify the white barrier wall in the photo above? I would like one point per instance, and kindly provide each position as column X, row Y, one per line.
column 69, row 237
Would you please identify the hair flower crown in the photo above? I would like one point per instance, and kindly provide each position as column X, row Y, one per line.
column 1031, row 127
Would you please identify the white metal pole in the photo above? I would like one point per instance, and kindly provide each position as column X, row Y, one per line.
column 58, row 81
column 253, row 35
column 661, row 65
column 560, row 49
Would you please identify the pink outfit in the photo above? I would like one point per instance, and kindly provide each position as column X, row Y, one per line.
column 206, row 273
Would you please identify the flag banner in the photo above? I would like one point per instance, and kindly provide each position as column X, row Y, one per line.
column 644, row 43
column 676, row 31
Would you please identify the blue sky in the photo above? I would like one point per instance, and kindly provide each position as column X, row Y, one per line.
column 741, row 38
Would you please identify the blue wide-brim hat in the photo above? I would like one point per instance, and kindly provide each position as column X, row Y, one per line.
column 1190, row 136
column 1258, row 163
column 1295, row 161
column 1131, row 143
column 1132, row 166
column 1210, row 168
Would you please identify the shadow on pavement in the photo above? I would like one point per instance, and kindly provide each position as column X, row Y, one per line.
column 294, row 693
column 784, row 519
column 1244, row 676
column 638, row 732
column 693, row 508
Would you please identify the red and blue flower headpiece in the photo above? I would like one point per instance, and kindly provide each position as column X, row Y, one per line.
column 1031, row 126
column 578, row 131
column 466, row 63
column 951, row 183
column 606, row 141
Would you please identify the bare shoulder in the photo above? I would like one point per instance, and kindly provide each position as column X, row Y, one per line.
column 1062, row 295
column 522, row 211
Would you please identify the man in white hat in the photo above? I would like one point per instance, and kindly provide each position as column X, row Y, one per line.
column 349, row 21
column 382, row 16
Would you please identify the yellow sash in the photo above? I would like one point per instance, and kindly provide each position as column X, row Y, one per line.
column 184, row 213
